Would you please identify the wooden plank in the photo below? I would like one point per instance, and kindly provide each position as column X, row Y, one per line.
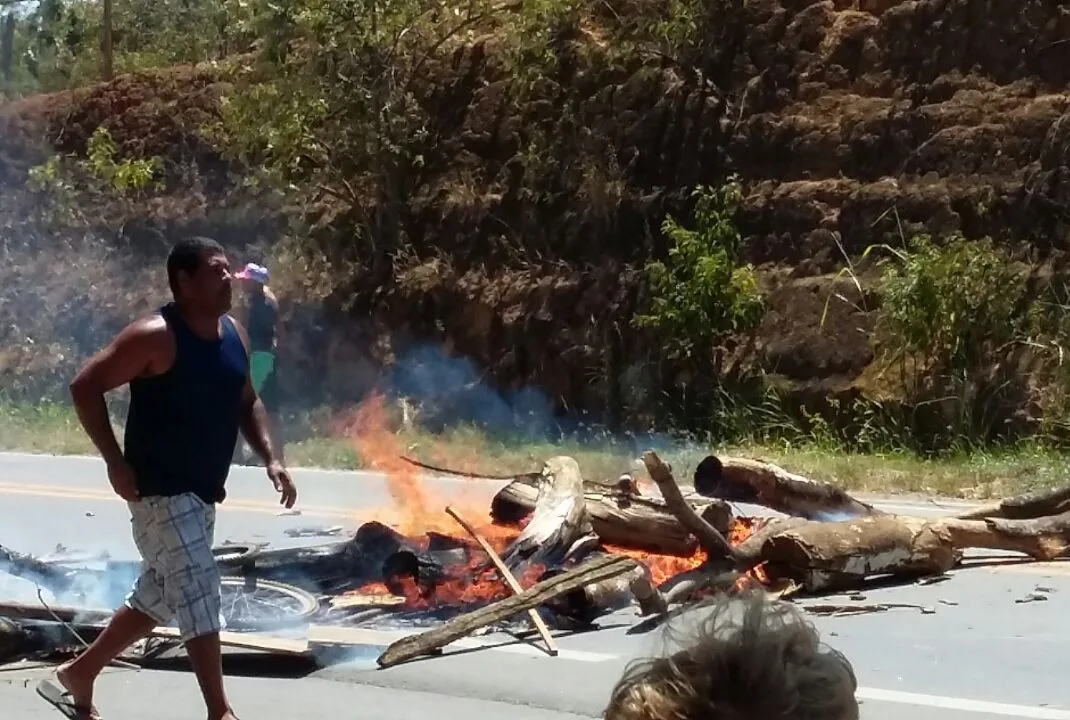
column 55, row 613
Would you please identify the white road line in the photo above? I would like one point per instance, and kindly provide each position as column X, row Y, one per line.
column 366, row 637
column 563, row 653
column 1031, row 712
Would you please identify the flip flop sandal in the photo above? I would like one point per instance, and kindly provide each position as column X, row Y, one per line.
column 60, row 699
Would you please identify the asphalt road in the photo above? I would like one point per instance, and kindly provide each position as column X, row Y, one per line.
column 980, row 655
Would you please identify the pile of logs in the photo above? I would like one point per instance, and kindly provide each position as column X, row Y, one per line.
column 821, row 539
column 824, row 541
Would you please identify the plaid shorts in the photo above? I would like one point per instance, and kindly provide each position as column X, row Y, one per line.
column 179, row 579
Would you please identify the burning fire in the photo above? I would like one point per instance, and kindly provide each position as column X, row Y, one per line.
column 662, row 567
column 417, row 512
column 464, row 586
column 743, row 528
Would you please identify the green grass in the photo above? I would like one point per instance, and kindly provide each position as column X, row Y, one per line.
column 55, row 429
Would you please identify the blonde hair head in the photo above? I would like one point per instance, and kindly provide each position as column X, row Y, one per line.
column 750, row 659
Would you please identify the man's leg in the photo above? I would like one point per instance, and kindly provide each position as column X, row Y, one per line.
column 143, row 610
column 192, row 586
column 79, row 675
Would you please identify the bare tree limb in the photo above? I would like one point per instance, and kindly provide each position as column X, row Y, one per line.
column 708, row 537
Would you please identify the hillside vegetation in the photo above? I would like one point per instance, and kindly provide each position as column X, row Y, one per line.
column 741, row 217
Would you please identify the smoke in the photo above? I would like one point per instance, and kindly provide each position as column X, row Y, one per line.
column 93, row 584
column 834, row 515
column 450, row 391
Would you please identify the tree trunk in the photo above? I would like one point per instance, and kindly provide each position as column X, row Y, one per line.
column 761, row 483
column 7, row 46
column 106, row 47
column 1043, row 539
column 620, row 518
column 840, row 555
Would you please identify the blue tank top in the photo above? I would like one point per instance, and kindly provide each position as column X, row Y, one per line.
column 182, row 425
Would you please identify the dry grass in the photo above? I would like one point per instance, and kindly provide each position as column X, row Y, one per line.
column 55, row 429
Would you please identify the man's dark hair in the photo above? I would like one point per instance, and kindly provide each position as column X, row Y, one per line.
column 751, row 659
column 186, row 255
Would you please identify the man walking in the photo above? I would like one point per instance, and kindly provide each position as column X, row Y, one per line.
column 190, row 393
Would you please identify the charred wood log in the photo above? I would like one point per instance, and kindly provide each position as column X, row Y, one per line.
column 437, row 542
column 426, row 570
column 766, row 484
column 374, row 542
column 24, row 641
column 336, row 564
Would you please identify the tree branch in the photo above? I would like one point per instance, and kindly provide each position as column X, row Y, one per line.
column 711, row 540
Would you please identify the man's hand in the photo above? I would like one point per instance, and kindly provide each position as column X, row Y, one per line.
column 284, row 484
column 123, row 481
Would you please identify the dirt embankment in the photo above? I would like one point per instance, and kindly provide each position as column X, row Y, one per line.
column 850, row 123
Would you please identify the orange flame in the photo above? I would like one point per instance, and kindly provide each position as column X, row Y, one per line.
column 743, row 528
column 662, row 567
column 415, row 511
column 465, row 585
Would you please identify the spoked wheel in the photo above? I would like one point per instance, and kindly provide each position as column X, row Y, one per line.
column 250, row 604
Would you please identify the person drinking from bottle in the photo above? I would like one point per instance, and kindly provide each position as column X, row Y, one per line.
column 262, row 320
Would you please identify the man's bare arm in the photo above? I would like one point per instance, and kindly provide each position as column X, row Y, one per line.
column 254, row 417
column 129, row 355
